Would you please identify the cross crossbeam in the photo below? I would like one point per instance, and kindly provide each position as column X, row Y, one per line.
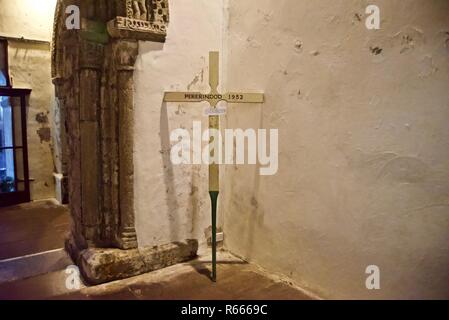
column 214, row 96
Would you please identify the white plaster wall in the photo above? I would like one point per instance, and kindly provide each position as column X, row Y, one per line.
column 31, row 19
column 172, row 202
column 30, row 67
column 364, row 152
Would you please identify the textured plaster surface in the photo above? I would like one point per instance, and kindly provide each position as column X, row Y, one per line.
column 363, row 163
column 29, row 65
column 30, row 19
column 172, row 202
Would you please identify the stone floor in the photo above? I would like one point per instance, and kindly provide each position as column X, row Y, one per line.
column 30, row 233
column 237, row 280
column 32, row 228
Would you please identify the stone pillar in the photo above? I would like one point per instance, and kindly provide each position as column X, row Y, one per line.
column 91, row 57
column 125, row 54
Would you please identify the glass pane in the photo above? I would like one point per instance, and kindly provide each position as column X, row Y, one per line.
column 7, row 172
column 6, row 124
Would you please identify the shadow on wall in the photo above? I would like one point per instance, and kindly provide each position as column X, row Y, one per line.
column 169, row 183
column 171, row 200
column 247, row 202
column 195, row 201
column 254, row 214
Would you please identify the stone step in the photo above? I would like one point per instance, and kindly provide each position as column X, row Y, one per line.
column 33, row 265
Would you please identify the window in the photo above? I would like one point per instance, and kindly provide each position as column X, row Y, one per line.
column 14, row 178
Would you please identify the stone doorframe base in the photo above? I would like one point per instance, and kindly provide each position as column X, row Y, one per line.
column 99, row 265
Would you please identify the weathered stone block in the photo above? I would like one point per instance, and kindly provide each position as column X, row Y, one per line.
column 103, row 265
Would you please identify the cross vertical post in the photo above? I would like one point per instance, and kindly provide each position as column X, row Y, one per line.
column 213, row 98
column 214, row 169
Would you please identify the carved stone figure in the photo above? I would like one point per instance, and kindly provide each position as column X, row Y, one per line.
column 140, row 20
column 140, row 10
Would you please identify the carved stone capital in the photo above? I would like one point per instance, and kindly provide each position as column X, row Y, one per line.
column 125, row 54
column 129, row 28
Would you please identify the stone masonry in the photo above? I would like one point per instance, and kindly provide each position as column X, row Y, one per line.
column 92, row 71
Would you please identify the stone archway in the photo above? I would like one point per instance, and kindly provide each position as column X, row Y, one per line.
column 92, row 71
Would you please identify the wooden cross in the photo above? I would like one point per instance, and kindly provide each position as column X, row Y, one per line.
column 213, row 98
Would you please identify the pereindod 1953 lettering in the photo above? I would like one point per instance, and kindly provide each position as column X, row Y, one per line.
column 228, row 310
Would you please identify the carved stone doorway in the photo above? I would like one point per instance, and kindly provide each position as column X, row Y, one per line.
column 92, row 72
